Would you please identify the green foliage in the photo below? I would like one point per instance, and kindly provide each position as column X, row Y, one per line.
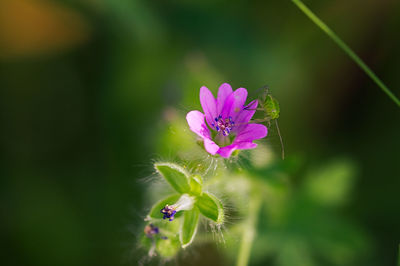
column 303, row 229
column 294, row 225
column 189, row 227
column 175, row 175
column 211, row 208
column 196, row 184
column 135, row 106
column 190, row 189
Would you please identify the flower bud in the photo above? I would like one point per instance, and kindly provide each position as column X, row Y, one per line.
column 150, row 230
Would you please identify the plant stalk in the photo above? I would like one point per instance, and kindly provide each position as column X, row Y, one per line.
column 346, row 49
column 250, row 226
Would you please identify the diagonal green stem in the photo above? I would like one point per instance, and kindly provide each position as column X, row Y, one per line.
column 250, row 225
column 346, row 49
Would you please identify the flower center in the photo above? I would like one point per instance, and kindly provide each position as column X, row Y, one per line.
column 223, row 125
column 169, row 212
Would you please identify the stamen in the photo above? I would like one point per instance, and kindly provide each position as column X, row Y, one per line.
column 169, row 212
column 185, row 202
column 224, row 125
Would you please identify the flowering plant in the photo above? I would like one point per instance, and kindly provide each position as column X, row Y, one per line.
column 250, row 197
column 224, row 127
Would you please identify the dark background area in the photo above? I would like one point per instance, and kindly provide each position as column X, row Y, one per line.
column 85, row 84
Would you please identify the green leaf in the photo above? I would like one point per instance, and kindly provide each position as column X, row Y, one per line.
column 189, row 226
column 175, row 175
column 196, row 184
column 155, row 210
column 211, row 207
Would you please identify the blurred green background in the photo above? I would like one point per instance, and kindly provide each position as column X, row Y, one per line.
column 87, row 88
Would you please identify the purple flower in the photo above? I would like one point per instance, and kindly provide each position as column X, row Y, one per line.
column 228, row 121
column 184, row 203
column 169, row 212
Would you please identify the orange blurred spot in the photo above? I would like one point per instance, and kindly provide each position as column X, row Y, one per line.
column 30, row 27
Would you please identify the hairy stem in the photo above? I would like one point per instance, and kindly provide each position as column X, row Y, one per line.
column 250, row 225
column 346, row 49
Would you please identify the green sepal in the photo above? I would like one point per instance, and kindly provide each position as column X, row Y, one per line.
column 155, row 212
column 196, row 184
column 211, row 207
column 175, row 175
column 235, row 153
column 189, row 227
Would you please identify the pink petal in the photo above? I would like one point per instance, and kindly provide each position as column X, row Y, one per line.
column 196, row 123
column 234, row 103
column 228, row 106
column 223, row 92
column 245, row 145
column 245, row 115
column 210, row 146
column 209, row 105
column 251, row 132
column 226, row 151
column 240, row 96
